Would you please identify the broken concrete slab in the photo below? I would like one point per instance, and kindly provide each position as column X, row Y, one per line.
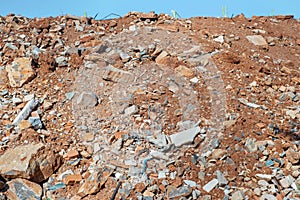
column 184, row 137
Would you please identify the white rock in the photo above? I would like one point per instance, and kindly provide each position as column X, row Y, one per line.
column 28, row 108
column 184, row 137
column 210, row 185
column 257, row 40
column 268, row 197
column 221, row 178
column 87, row 99
column 131, row 110
column 194, row 80
column 190, row 183
column 219, row 39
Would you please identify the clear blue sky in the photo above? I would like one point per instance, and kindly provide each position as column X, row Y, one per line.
column 187, row 8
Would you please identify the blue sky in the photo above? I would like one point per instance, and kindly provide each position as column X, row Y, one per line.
column 186, row 9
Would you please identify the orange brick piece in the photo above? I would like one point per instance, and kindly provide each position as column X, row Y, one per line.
column 71, row 179
column 72, row 154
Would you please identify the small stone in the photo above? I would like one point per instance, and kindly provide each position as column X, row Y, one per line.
column 268, row 197
column 160, row 59
column 218, row 153
column 196, row 194
column 70, row 95
column 237, row 195
column 292, row 155
column 71, row 179
column 24, row 124
column 257, row 40
column 131, row 110
column 210, row 185
column 117, row 75
column 194, row 80
column 182, row 191
column 184, row 71
column 282, row 88
column 72, row 154
column 87, row 100
column 61, row 61
column 286, row 181
column 173, row 87
column 28, row 97
column 88, row 136
column 16, row 100
column 140, row 187
column 148, row 194
column 219, row 39
column 35, row 122
column 161, row 175
column 190, row 183
column 133, row 28
column 267, row 177
column 269, row 163
column 184, row 137
column 20, row 189
column 94, row 182
column 124, row 56
column 206, row 197
column 20, row 72
column 221, row 178
column 257, row 191
column 251, row 145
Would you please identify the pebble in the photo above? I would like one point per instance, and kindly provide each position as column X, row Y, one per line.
column 221, row 178
column 251, row 105
column 251, row 145
column 190, row 183
column 131, row 110
column 210, row 185
column 257, row 40
column 71, row 179
column 292, row 155
column 268, row 197
column 70, row 95
column 185, row 137
column 237, row 195
column 173, row 192
column 87, row 100
column 286, row 181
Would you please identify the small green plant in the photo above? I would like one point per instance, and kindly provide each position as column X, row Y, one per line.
column 224, row 11
column 272, row 13
column 85, row 14
column 175, row 14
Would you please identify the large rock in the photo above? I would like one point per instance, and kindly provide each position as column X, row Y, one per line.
column 20, row 189
column 20, row 72
column 30, row 161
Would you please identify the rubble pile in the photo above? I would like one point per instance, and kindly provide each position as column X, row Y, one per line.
column 147, row 106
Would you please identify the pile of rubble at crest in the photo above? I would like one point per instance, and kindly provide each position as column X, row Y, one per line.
column 149, row 107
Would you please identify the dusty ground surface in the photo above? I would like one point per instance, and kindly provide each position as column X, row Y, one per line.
column 150, row 107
